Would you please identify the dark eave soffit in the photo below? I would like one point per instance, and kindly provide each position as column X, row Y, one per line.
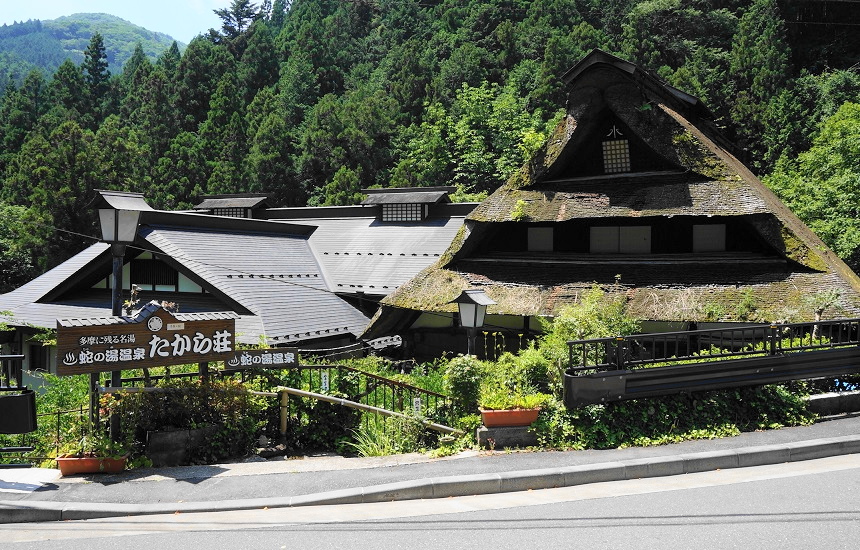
column 186, row 220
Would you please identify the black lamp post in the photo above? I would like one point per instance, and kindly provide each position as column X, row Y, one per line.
column 472, row 304
column 119, row 228
column 119, row 216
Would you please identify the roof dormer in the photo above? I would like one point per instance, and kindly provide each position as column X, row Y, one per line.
column 233, row 206
column 406, row 204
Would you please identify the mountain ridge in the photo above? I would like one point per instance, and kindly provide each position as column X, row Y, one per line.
column 45, row 44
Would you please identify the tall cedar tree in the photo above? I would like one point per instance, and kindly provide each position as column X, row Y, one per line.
column 96, row 80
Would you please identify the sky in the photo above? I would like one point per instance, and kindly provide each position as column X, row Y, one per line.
column 181, row 19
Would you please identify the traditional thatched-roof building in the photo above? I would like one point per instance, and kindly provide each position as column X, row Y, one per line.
column 638, row 192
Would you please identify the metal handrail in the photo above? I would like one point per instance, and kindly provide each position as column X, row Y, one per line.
column 376, row 390
column 639, row 350
column 360, row 406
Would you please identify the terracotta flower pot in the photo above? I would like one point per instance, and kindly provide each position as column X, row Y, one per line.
column 90, row 465
column 508, row 417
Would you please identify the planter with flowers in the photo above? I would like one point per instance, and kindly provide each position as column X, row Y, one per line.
column 95, row 453
column 501, row 406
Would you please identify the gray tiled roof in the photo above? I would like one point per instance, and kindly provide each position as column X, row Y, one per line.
column 38, row 287
column 141, row 314
column 274, row 276
column 415, row 197
column 230, row 202
column 361, row 254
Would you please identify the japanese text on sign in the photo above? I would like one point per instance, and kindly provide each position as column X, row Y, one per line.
column 263, row 358
column 177, row 347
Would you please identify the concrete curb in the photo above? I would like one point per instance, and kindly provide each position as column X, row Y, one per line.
column 464, row 485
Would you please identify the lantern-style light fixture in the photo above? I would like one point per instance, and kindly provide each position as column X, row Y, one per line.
column 119, row 216
column 472, row 304
column 118, row 226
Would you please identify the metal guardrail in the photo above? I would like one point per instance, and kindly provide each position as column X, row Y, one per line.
column 647, row 365
column 641, row 350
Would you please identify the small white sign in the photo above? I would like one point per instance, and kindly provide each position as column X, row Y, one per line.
column 175, row 326
column 324, row 380
column 416, row 404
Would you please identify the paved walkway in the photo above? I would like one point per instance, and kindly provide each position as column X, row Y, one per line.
column 43, row 495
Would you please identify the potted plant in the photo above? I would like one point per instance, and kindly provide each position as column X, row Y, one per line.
column 503, row 406
column 94, row 453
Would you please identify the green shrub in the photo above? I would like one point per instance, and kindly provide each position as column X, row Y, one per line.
column 529, row 368
column 596, row 315
column 187, row 404
column 513, row 382
column 657, row 421
column 69, row 394
column 320, row 426
column 463, row 376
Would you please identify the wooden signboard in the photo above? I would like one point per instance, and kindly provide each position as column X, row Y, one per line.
column 154, row 338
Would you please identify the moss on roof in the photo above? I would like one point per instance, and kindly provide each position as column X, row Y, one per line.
column 709, row 181
column 546, row 156
column 800, row 252
column 694, row 155
column 784, row 300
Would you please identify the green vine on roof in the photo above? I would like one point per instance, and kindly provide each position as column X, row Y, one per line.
column 518, row 214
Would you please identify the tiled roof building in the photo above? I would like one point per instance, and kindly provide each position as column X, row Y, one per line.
column 305, row 277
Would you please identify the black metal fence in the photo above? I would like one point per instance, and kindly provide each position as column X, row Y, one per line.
column 56, row 430
column 341, row 380
column 643, row 350
column 360, row 386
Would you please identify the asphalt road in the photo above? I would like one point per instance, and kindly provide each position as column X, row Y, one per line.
column 809, row 504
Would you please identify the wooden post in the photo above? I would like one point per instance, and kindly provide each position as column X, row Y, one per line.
column 285, row 404
column 203, row 369
column 94, row 400
column 115, row 428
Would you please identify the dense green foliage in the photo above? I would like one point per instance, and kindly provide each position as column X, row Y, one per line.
column 644, row 422
column 310, row 101
column 187, row 404
column 70, row 396
column 596, row 315
column 821, row 184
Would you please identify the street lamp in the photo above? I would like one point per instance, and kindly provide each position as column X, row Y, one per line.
column 472, row 304
column 119, row 215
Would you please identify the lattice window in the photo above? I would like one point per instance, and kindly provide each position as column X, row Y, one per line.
column 153, row 275
column 616, row 152
column 232, row 212
column 402, row 212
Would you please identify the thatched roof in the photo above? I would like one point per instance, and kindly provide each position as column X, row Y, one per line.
column 686, row 168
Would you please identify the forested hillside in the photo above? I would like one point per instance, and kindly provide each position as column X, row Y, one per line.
column 312, row 100
column 45, row 45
